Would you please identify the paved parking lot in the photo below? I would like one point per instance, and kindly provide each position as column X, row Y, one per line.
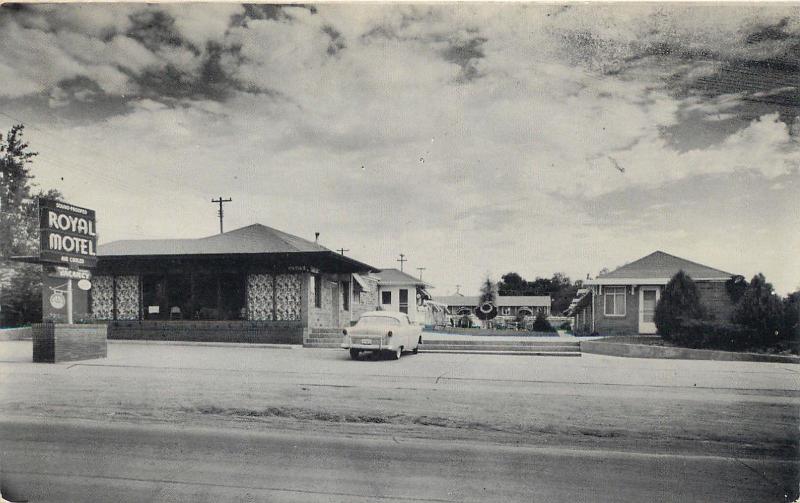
column 735, row 412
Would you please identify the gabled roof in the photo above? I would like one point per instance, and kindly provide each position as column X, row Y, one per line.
column 394, row 277
column 660, row 267
column 254, row 238
column 502, row 300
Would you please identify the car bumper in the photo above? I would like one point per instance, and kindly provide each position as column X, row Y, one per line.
column 370, row 347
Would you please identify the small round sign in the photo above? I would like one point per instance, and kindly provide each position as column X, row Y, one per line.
column 84, row 284
column 58, row 301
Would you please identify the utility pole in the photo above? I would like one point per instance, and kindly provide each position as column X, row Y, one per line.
column 402, row 260
column 221, row 213
column 420, row 269
column 342, row 250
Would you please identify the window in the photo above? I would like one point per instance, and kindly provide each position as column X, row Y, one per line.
column 403, row 301
column 317, row 290
column 386, row 297
column 506, row 311
column 377, row 321
column 614, row 301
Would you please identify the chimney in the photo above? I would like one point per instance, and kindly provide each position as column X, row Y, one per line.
column 316, row 238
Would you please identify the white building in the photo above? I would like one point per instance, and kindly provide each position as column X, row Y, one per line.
column 398, row 291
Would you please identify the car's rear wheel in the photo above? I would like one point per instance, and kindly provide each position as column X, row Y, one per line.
column 354, row 354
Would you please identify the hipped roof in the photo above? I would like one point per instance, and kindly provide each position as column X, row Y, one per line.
column 660, row 266
column 255, row 239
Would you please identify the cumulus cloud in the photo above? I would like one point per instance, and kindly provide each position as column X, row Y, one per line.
column 437, row 121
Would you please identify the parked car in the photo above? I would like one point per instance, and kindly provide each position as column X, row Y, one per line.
column 383, row 332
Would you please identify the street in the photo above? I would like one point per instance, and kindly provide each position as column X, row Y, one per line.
column 198, row 423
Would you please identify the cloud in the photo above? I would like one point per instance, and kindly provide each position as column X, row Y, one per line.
column 469, row 120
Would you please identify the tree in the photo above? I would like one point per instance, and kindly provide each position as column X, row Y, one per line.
column 488, row 292
column 511, row 284
column 760, row 309
column 679, row 301
column 19, row 227
column 790, row 328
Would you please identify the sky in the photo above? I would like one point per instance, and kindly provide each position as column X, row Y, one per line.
column 476, row 139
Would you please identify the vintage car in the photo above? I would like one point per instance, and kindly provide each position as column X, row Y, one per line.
column 383, row 332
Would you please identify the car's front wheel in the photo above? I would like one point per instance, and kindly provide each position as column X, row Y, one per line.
column 354, row 354
column 397, row 354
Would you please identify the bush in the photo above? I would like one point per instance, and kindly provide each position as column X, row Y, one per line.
column 706, row 334
column 565, row 326
column 540, row 324
column 679, row 301
column 761, row 310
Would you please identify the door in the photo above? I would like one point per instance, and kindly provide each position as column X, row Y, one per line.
column 404, row 301
column 648, row 298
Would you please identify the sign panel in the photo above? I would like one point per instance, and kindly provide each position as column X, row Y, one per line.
column 66, row 272
column 68, row 235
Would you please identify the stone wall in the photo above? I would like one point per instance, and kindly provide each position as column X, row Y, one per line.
column 367, row 300
column 259, row 297
column 288, row 296
column 102, row 292
column 128, row 297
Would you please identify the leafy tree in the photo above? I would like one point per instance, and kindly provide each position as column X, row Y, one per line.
column 19, row 227
column 790, row 328
column 511, row 283
column 736, row 286
column 760, row 309
column 679, row 301
column 488, row 292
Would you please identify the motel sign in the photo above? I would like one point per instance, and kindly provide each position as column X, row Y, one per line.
column 68, row 235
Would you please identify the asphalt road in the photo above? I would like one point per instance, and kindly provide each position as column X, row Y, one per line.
column 84, row 462
column 190, row 423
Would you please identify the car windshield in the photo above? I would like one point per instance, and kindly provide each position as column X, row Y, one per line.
column 372, row 321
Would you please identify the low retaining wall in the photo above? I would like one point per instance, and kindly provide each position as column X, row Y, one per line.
column 672, row 353
column 491, row 332
column 59, row 342
column 16, row 334
column 255, row 332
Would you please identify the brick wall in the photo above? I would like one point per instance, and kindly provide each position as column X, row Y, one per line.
column 714, row 298
column 56, row 342
column 259, row 332
column 618, row 325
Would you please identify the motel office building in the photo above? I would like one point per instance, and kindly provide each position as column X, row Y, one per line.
column 253, row 284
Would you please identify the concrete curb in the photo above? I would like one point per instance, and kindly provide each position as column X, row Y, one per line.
column 671, row 353
column 208, row 344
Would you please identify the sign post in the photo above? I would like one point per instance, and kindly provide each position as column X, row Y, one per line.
column 67, row 253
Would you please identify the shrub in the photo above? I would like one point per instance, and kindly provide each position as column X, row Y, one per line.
column 761, row 310
column 566, row 326
column 679, row 301
column 708, row 334
column 540, row 324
